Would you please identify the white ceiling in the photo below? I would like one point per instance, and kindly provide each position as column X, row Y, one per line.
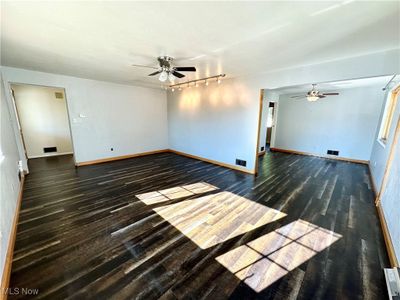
column 378, row 82
column 101, row 40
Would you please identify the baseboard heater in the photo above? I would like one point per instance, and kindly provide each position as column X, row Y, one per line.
column 393, row 282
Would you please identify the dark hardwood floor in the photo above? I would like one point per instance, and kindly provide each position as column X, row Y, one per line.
column 305, row 228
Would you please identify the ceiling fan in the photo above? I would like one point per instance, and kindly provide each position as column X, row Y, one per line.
column 314, row 94
column 166, row 70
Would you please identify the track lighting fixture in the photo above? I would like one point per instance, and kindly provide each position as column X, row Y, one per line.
column 196, row 82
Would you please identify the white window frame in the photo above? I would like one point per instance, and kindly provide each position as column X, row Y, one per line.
column 390, row 107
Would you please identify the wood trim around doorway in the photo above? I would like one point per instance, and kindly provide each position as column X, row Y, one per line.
column 258, row 131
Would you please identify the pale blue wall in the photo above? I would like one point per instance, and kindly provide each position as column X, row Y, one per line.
column 379, row 153
column 221, row 122
column 346, row 123
column 390, row 198
column 129, row 119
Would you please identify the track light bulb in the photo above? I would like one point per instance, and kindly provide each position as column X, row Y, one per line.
column 173, row 89
column 219, row 80
column 206, row 83
column 196, row 85
column 180, row 89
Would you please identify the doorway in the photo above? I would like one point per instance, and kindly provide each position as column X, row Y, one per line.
column 43, row 120
column 270, row 124
column 268, row 110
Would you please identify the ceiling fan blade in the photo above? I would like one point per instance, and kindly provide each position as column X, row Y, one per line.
column 330, row 94
column 177, row 74
column 155, row 73
column 143, row 66
column 321, row 96
column 185, row 69
column 298, row 96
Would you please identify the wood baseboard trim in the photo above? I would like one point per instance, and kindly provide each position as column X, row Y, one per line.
column 5, row 279
column 51, row 155
column 387, row 238
column 221, row 164
column 104, row 160
column 357, row 161
column 108, row 159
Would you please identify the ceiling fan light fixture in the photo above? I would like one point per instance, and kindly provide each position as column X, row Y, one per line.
column 171, row 77
column 312, row 98
column 163, row 76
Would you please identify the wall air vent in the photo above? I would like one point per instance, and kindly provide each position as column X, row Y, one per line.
column 49, row 149
column 241, row 162
column 332, row 152
column 59, row 95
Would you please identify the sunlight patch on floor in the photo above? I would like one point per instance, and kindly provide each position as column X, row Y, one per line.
column 176, row 192
column 213, row 219
column 268, row 258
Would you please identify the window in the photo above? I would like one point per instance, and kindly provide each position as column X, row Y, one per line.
column 388, row 115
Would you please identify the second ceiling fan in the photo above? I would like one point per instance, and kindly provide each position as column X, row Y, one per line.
column 166, row 70
column 314, row 94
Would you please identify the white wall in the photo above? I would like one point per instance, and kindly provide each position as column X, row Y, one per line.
column 43, row 118
column 10, row 185
column 220, row 123
column 346, row 123
column 129, row 119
